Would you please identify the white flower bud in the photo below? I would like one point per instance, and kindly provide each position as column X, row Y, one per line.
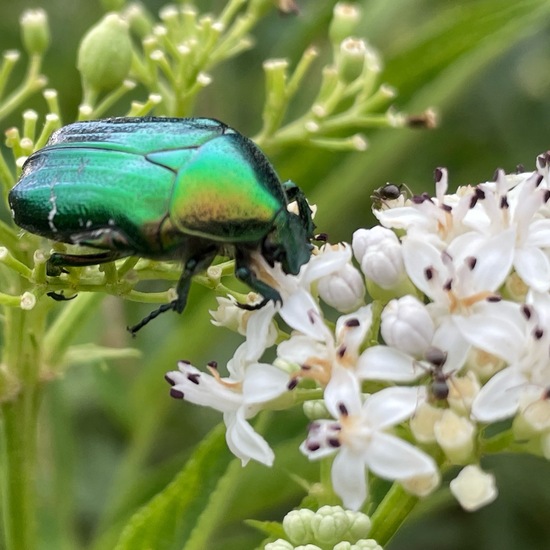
column 379, row 252
column 422, row 486
column 407, row 326
column 344, row 290
column 297, row 525
column 462, row 392
column 423, row 421
column 229, row 315
column 28, row 300
column 473, row 488
column 329, row 524
column 484, row 364
column 536, row 416
column 455, row 435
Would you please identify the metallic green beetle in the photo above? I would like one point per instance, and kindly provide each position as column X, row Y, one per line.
column 162, row 188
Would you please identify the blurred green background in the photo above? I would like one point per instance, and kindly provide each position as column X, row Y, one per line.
column 483, row 65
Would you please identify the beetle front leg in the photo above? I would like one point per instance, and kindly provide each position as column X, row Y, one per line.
column 244, row 273
column 192, row 266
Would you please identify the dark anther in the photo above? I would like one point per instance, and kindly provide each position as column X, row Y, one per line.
column 213, row 365
column 546, row 195
column 176, row 394
column 184, row 361
column 292, row 384
column 169, row 380
column 321, row 237
column 504, row 202
column 539, row 180
column 473, row 201
column 526, row 311
column 313, row 447
column 448, row 285
column 341, row 351
column 542, row 160
column 471, row 262
column 311, row 317
column 479, row 193
column 520, row 169
column 429, row 273
column 438, row 174
column 446, row 208
column 538, row 333
column 194, row 377
column 343, row 409
column 305, row 367
column 354, row 322
column 494, row 298
column 333, row 442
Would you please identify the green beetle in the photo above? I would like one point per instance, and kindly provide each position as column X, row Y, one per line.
column 162, row 188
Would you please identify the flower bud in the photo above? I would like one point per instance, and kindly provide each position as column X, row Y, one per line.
column 344, row 22
column 359, row 525
column 379, row 252
column 423, row 422
column 279, row 544
column 343, row 290
column 105, row 54
column 28, row 300
column 315, row 409
column 35, row 31
column 330, row 524
column 297, row 525
column 139, row 20
column 484, row 364
column 407, row 326
column 351, row 59
column 462, row 392
column 473, row 488
column 422, row 486
column 455, row 435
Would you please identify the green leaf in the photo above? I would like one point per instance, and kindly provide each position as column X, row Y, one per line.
column 269, row 528
column 171, row 515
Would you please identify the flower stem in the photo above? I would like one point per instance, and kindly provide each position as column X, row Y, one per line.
column 391, row 513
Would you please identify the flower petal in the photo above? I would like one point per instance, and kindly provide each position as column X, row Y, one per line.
column 244, row 442
column 390, row 406
column 392, row 458
column 349, row 478
column 385, row 363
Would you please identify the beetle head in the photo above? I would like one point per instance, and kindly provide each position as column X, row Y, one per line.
column 287, row 243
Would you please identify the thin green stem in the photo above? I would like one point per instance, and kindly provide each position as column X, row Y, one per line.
column 391, row 513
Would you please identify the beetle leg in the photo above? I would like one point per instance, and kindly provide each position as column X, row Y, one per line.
column 193, row 265
column 58, row 260
column 59, row 296
column 244, row 273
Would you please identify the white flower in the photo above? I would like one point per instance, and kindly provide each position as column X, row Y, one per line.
column 361, row 439
column 518, row 208
column 318, row 356
column 528, row 374
column 240, row 396
column 439, row 219
column 473, row 488
column 462, row 282
column 298, row 303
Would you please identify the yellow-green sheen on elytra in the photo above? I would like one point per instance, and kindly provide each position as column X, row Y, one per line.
column 162, row 188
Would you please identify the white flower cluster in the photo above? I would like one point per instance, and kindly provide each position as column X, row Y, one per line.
column 457, row 337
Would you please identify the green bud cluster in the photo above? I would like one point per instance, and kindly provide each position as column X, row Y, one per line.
column 348, row 99
column 331, row 527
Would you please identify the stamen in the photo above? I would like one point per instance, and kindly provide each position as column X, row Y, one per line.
column 169, row 380
column 343, row 409
column 352, row 322
column 193, row 377
column 176, row 394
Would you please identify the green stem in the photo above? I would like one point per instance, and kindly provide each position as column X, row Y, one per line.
column 18, row 430
column 391, row 513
